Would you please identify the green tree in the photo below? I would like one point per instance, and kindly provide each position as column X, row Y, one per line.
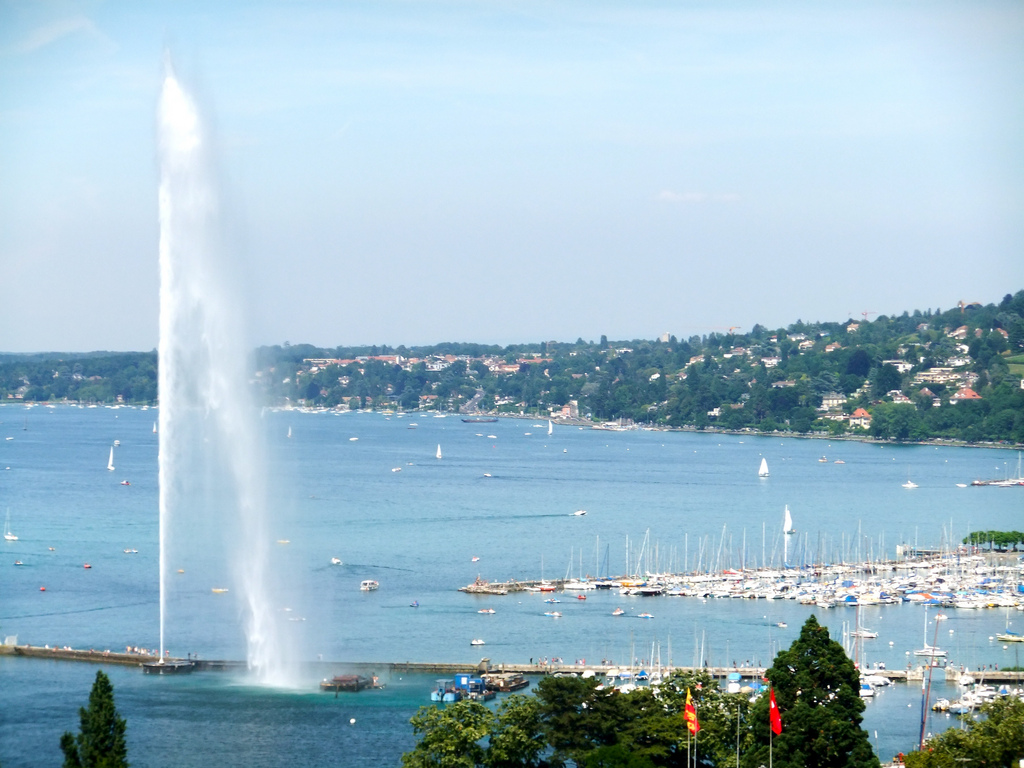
column 516, row 736
column 817, row 689
column 101, row 741
column 450, row 736
column 996, row 740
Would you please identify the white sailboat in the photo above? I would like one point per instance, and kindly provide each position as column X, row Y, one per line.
column 7, row 528
column 289, row 431
column 439, row 450
column 763, row 471
column 154, row 427
column 551, row 427
column 787, row 530
column 930, row 651
column 110, row 461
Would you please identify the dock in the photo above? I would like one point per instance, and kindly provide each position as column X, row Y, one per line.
column 485, row 665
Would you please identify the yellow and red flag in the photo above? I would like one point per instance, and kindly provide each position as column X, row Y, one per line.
column 773, row 713
column 690, row 715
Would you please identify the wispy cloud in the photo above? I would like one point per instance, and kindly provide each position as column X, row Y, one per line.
column 43, row 36
column 690, row 198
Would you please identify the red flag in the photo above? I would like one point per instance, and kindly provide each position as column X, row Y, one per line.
column 773, row 713
column 690, row 715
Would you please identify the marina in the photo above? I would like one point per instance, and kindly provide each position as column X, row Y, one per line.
column 681, row 521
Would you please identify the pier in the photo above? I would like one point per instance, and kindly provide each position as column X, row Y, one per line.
column 449, row 669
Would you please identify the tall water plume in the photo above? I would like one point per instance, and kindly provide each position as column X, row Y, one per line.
column 211, row 463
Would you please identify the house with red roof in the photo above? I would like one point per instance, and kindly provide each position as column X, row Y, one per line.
column 965, row 393
column 860, row 418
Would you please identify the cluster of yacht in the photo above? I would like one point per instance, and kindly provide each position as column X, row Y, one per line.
column 973, row 694
column 963, row 582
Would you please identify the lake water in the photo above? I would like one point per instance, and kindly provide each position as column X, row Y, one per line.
column 696, row 499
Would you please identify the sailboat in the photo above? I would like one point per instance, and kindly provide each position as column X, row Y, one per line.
column 929, row 650
column 551, row 427
column 787, row 523
column 910, row 483
column 7, row 528
column 763, row 471
column 289, row 431
column 439, row 450
column 154, row 427
column 110, row 461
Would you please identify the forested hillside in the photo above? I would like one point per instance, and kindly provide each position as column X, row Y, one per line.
column 953, row 374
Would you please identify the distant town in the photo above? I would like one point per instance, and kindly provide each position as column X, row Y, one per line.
column 952, row 375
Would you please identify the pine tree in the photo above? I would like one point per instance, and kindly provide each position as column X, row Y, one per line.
column 817, row 688
column 101, row 741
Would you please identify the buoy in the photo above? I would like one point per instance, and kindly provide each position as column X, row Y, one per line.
column 42, row 589
column 352, row 721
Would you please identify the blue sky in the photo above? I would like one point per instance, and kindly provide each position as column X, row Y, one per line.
column 416, row 172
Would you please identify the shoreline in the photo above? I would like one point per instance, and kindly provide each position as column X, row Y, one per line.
column 578, row 422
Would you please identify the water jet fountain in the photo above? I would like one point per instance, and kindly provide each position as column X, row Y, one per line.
column 211, row 464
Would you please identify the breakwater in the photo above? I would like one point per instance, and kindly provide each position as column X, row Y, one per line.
column 449, row 669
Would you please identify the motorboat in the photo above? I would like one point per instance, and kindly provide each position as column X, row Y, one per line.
column 368, row 585
column 618, row 612
column 486, row 610
column 553, row 614
column 335, row 561
column 476, row 641
column 579, row 513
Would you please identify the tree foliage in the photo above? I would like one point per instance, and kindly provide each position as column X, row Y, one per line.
column 995, row 740
column 817, row 689
column 100, row 743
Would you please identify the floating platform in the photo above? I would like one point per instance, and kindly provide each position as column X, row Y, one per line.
column 172, row 667
column 353, row 683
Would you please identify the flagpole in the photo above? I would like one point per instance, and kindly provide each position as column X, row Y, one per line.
column 769, row 748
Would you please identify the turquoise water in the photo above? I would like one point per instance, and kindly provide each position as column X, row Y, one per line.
column 417, row 531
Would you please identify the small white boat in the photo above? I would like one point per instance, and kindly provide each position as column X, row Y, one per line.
column 396, row 469
column 353, row 439
column 551, row 427
column 289, row 431
column 618, row 612
column 862, row 632
column 579, row 513
column 763, row 470
column 7, row 528
column 787, row 522
column 486, row 610
column 110, row 461
column 476, row 641
column 335, row 561
column 910, row 484
column 438, row 454
column 117, row 443
column 368, row 585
